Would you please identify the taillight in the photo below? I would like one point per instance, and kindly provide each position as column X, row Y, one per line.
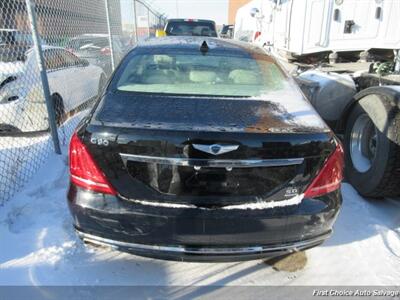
column 257, row 35
column 105, row 51
column 329, row 177
column 84, row 171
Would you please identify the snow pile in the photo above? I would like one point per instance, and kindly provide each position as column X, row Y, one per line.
column 49, row 255
column 21, row 157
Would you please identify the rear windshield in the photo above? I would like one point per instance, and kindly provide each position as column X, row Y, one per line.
column 11, row 55
column 13, row 45
column 196, row 74
column 15, row 37
column 191, row 28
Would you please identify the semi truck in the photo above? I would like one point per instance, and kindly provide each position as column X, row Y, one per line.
column 345, row 57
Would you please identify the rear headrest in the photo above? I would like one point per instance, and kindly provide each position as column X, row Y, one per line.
column 158, row 77
column 163, row 59
column 205, row 32
column 203, row 76
column 241, row 76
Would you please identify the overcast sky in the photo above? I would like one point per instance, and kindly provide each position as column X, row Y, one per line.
column 216, row 10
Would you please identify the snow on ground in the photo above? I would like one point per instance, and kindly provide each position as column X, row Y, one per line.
column 39, row 247
column 22, row 156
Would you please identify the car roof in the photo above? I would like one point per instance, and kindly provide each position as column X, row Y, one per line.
column 90, row 35
column 48, row 47
column 193, row 43
column 189, row 20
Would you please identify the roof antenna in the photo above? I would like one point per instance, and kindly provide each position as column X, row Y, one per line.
column 204, row 47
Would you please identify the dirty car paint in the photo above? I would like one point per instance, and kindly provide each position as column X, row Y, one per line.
column 270, row 114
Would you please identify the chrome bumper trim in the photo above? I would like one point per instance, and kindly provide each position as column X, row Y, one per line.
column 213, row 163
column 290, row 247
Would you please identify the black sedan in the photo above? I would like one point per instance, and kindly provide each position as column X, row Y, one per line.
column 203, row 149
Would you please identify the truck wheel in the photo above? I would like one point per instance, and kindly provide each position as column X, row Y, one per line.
column 372, row 154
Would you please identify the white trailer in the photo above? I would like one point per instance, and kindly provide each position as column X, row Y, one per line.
column 300, row 27
column 357, row 90
column 246, row 24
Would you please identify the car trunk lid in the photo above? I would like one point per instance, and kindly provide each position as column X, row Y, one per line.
column 164, row 151
column 278, row 112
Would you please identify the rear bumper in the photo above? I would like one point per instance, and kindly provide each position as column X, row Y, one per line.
column 187, row 253
column 195, row 234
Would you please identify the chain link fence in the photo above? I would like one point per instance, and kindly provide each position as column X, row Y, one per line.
column 55, row 57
